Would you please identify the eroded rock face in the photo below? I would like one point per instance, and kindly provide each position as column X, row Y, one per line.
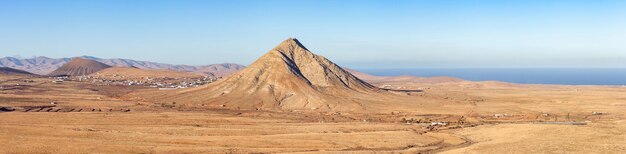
column 288, row 77
column 78, row 67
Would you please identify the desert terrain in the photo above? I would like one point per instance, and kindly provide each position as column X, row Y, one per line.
column 293, row 101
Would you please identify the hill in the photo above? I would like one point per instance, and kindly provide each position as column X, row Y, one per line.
column 11, row 71
column 78, row 67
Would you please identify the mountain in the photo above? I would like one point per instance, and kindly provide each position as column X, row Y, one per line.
column 287, row 77
column 44, row 65
column 78, row 67
column 11, row 71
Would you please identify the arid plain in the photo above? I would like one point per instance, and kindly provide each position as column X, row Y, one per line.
column 293, row 101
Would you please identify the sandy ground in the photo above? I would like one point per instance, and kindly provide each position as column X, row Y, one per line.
column 604, row 137
column 95, row 119
column 172, row 132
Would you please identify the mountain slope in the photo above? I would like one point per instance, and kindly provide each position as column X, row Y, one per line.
column 11, row 71
column 287, row 77
column 78, row 67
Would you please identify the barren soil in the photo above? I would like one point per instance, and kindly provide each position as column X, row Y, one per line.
column 87, row 118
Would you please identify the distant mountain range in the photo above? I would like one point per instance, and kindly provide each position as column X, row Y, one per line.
column 43, row 65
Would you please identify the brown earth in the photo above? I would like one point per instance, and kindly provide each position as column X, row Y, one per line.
column 92, row 120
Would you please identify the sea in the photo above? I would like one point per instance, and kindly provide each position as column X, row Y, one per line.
column 563, row 76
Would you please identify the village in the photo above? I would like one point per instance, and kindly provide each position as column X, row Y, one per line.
column 163, row 83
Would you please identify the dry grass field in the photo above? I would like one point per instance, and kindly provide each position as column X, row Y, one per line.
column 601, row 137
column 88, row 118
column 206, row 132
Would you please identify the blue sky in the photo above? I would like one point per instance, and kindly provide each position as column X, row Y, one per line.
column 358, row 34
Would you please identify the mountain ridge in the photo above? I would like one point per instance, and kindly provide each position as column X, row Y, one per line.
column 44, row 65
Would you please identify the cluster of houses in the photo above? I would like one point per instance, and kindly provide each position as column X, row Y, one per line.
column 160, row 82
column 60, row 79
column 391, row 87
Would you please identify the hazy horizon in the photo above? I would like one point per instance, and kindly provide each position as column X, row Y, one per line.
column 359, row 68
column 355, row 34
